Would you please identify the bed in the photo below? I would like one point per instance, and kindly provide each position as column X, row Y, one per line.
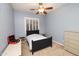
column 36, row 41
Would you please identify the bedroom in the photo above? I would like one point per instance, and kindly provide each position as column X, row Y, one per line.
column 56, row 22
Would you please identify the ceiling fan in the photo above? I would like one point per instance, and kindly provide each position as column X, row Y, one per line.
column 41, row 9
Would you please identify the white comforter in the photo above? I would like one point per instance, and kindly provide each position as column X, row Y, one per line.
column 34, row 37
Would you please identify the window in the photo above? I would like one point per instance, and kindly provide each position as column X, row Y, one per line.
column 32, row 24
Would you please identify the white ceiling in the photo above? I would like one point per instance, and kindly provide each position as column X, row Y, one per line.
column 27, row 6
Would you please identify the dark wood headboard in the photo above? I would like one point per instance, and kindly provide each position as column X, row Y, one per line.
column 32, row 32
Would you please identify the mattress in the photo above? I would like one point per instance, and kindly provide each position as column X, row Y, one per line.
column 34, row 37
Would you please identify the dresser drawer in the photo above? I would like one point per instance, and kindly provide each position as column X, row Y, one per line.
column 71, row 42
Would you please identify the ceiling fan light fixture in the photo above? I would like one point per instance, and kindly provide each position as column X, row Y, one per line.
column 41, row 10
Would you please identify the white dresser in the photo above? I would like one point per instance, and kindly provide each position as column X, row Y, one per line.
column 71, row 43
column 13, row 50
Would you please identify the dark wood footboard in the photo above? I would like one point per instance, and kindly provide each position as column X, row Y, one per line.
column 40, row 44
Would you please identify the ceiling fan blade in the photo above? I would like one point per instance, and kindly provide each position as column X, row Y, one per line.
column 33, row 9
column 45, row 12
column 48, row 8
column 37, row 13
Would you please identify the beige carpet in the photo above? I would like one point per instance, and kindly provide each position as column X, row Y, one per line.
column 56, row 50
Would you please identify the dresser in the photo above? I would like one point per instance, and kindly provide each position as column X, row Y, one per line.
column 13, row 50
column 71, row 42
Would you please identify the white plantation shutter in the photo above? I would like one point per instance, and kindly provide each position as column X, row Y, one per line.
column 32, row 24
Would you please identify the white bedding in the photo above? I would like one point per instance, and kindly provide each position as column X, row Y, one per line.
column 34, row 37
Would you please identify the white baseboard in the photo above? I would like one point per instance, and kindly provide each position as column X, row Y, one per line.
column 58, row 43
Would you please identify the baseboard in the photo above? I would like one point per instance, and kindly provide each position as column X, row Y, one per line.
column 58, row 43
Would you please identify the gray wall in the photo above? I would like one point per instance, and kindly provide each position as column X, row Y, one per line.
column 19, row 23
column 65, row 18
column 6, row 24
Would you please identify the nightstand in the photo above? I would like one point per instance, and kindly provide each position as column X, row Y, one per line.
column 46, row 35
column 43, row 34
